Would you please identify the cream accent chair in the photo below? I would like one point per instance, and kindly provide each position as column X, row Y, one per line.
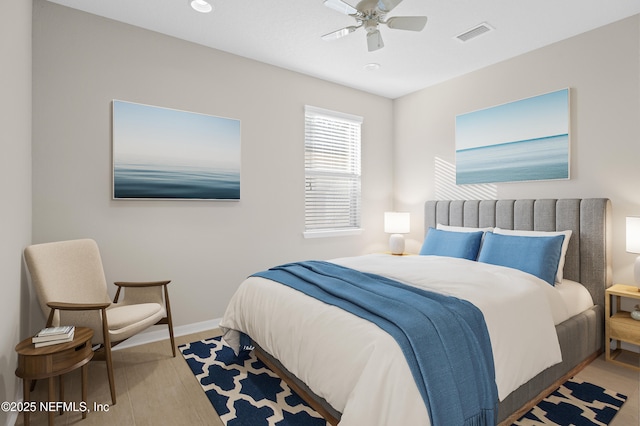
column 72, row 290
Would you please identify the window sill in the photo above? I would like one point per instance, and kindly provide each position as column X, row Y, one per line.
column 332, row 233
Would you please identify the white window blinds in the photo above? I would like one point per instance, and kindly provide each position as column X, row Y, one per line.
column 332, row 171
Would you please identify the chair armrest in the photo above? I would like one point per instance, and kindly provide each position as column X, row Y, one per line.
column 64, row 306
column 141, row 284
column 144, row 284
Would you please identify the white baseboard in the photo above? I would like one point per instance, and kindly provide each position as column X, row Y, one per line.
column 160, row 332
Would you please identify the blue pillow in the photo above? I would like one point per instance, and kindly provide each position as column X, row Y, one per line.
column 464, row 245
column 538, row 256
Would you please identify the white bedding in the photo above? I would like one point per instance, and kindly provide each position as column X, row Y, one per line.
column 575, row 296
column 359, row 369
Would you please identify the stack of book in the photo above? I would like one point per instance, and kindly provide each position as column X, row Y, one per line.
column 53, row 336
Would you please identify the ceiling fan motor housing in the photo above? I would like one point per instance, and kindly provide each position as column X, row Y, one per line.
column 371, row 24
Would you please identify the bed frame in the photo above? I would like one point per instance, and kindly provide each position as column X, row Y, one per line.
column 588, row 261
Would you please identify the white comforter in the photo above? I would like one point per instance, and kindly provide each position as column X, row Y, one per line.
column 359, row 369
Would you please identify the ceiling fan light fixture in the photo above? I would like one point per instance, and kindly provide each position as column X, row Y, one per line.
column 370, row 14
column 374, row 41
column 201, row 6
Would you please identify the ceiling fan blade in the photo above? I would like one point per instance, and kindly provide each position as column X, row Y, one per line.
column 339, row 33
column 340, row 6
column 374, row 41
column 410, row 23
column 387, row 5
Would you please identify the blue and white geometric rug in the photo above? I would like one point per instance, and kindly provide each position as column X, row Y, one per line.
column 575, row 403
column 242, row 390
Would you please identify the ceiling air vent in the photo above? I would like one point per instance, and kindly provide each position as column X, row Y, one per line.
column 474, row 32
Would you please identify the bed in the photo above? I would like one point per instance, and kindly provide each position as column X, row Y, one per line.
column 307, row 341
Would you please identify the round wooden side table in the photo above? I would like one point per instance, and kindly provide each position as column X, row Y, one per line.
column 55, row 360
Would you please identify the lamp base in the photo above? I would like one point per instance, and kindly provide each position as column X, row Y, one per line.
column 396, row 244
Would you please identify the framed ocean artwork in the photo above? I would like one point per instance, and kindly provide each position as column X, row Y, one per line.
column 162, row 153
column 525, row 140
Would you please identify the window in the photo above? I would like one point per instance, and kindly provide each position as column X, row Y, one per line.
column 332, row 172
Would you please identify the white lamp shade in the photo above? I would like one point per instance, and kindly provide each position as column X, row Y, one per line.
column 397, row 222
column 633, row 234
column 633, row 244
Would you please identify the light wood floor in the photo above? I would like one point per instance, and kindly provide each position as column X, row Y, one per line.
column 153, row 388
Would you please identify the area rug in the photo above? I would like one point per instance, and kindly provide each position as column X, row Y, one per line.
column 575, row 403
column 242, row 390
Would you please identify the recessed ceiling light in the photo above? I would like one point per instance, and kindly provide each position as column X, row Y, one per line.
column 201, row 6
column 372, row 67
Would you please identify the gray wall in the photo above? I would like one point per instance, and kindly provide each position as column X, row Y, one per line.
column 602, row 69
column 15, row 187
column 82, row 62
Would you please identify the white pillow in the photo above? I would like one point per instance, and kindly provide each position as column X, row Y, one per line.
column 565, row 243
column 462, row 228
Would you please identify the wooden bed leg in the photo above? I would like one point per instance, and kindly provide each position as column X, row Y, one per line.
column 296, row 388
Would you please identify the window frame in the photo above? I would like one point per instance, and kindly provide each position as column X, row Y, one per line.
column 350, row 152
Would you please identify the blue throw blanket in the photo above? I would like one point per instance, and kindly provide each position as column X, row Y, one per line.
column 444, row 339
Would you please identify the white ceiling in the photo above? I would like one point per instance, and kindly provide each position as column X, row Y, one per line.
column 286, row 33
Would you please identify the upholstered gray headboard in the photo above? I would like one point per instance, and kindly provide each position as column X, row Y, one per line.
column 588, row 259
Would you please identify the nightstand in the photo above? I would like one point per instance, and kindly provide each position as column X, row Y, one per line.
column 50, row 361
column 620, row 327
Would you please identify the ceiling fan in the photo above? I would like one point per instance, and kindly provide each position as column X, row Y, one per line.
column 369, row 14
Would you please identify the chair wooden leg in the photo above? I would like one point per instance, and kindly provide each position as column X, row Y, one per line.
column 109, row 361
column 169, row 320
column 173, row 343
column 107, row 356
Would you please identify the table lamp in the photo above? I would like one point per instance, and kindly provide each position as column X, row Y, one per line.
column 396, row 224
column 633, row 244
